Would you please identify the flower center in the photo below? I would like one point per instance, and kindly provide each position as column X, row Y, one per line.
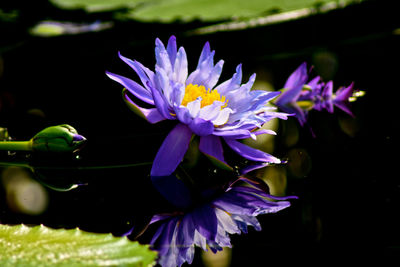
column 208, row 96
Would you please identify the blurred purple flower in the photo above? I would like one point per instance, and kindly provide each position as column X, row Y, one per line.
column 50, row 28
column 301, row 95
column 228, row 112
column 210, row 224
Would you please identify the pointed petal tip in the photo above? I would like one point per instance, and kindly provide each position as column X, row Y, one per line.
column 110, row 74
column 159, row 43
column 121, row 56
column 220, row 63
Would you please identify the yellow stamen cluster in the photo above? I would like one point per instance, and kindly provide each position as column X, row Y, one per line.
column 208, row 96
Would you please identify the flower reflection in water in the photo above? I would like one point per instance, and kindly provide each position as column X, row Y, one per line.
column 209, row 224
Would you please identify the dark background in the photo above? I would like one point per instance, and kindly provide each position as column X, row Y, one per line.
column 349, row 194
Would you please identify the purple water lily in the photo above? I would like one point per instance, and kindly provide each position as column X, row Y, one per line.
column 210, row 224
column 227, row 112
column 300, row 95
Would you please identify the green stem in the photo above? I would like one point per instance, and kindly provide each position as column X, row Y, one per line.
column 16, row 145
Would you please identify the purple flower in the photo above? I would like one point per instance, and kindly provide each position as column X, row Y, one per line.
column 343, row 97
column 210, row 224
column 301, row 95
column 226, row 112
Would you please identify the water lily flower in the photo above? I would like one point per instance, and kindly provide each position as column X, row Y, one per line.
column 300, row 95
column 209, row 225
column 220, row 113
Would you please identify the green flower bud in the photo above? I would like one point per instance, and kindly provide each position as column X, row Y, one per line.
column 61, row 138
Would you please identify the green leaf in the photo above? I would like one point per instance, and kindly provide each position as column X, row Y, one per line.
column 204, row 10
column 42, row 246
column 214, row 10
column 96, row 5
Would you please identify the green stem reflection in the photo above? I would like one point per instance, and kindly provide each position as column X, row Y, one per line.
column 27, row 165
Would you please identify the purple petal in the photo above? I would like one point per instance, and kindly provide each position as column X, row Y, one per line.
column 250, row 153
column 327, row 96
column 262, row 99
column 171, row 151
column 162, row 57
column 231, row 84
column 161, row 103
column 133, row 87
column 194, row 107
column 151, row 115
column 158, row 233
column 314, row 82
column 164, row 235
column 342, row 98
column 344, row 93
column 241, row 99
column 226, row 222
column 159, row 217
column 242, row 133
column 214, row 246
column 298, row 77
column 203, row 71
column 173, row 189
column 237, row 201
column 243, row 220
column 183, row 115
column 200, row 240
column 222, row 117
column 288, row 96
column 144, row 73
column 261, row 193
column 185, row 255
column 232, row 133
column 211, row 112
column 345, row 106
column 211, row 146
column 181, row 67
column 269, row 115
column 293, row 86
column 201, row 127
column 295, row 110
column 185, row 240
column 214, row 75
column 147, row 71
column 205, row 53
column 185, row 235
column 249, row 168
column 205, row 221
column 171, row 49
column 178, row 92
column 235, row 204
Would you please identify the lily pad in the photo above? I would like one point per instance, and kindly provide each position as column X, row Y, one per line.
column 96, row 5
column 42, row 246
column 205, row 10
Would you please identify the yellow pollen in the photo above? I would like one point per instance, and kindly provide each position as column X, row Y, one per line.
column 208, row 96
